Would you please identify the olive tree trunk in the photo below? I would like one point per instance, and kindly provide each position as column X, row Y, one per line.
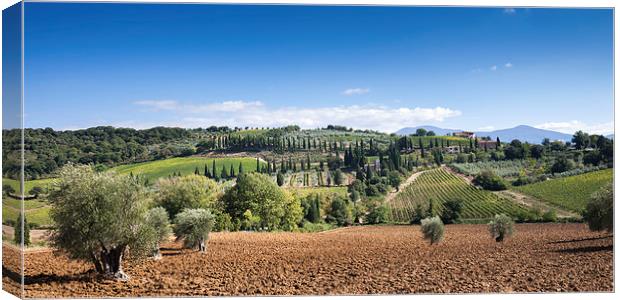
column 109, row 262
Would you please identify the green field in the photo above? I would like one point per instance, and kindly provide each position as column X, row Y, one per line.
column 29, row 184
column 186, row 165
column 37, row 211
column 441, row 185
column 322, row 191
column 569, row 192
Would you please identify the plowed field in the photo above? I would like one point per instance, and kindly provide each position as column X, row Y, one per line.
column 358, row 260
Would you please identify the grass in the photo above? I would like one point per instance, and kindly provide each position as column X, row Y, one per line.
column 28, row 184
column 40, row 215
column 322, row 191
column 572, row 192
column 441, row 186
column 186, row 165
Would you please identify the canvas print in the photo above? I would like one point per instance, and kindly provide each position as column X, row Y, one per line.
column 245, row 150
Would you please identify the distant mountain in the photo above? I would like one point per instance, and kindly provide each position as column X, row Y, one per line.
column 437, row 130
column 526, row 133
column 610, row 136
column 523, row 133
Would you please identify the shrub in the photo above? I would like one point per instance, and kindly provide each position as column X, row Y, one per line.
column 311, row 206
column 489, row 181
column 379, row 214
column 193, row 227
column 223, row 222
column 157, row 219
column 451, row 211
column 338, row 177
column 35, row 191
column 7, row 189
column 192, row 191
column 280, row 179
column 394, row 179
column 501, row 227
column 562, row 164
column 340, row 212
column 550, row 216
column 599, row 211
column 432, row 229
column 418, row 215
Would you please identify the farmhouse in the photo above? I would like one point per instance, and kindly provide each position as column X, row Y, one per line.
column 487, row 144
column 465, row 134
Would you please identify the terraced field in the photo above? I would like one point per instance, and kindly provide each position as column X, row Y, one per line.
column 37, row 211
column 186, row 165
column 572, row 192
column 441, row 185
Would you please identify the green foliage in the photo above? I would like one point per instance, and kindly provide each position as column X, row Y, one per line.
column 258, row 193
column 489, row 181
column 432, row 229
column 280, row 179
column 98, row 216
column 7, row 189
column 193, row 227
column 599, row 212
column 157, row 219
column 571, row 192
column 451, row 211
column 501, row 227
column 311, row 205
column 193, row 191
column 550, row 216
column 17, row 238
column 340, row 212
column 338, row 177
column 394, row 179
column 378, row 215
column 562, row 164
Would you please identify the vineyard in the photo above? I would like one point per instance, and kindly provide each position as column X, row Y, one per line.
column 569, row 192
column 440, row 186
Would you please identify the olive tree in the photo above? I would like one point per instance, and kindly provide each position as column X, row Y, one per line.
column 193, row 227
column 599, row 211
column 157, row 218
column 193, row 191
column 501, row 227
column 17, row 235
column 99, row 217
column 432, row 229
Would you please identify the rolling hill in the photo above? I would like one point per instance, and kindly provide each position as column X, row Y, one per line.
column 523, row 133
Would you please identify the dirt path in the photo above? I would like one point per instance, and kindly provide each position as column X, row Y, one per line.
column 403, row 185
column 523, row 199
column 533, row 202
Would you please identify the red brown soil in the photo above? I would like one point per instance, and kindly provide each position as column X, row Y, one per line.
column 359, row 260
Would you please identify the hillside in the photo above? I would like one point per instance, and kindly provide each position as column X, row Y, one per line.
column 523, row 133
column 569, row 192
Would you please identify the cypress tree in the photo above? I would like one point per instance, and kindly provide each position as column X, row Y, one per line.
column 308, row 164
column 214, row 173
column 257, row 165
column 240, row 168
column 232, row 171
column 224, row 174
column 196, row 172
column 207, row 171
column 18, row 231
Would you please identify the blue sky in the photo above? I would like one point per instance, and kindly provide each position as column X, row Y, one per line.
column 136, row 65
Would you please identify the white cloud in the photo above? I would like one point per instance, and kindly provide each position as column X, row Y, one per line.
column 493, row 68
column 226, row 106
column 510, row 11
column 256, row 114
column 355, row 91
column 508, row 65
column 574, row 125
column 158, row 105
column 486, row 128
